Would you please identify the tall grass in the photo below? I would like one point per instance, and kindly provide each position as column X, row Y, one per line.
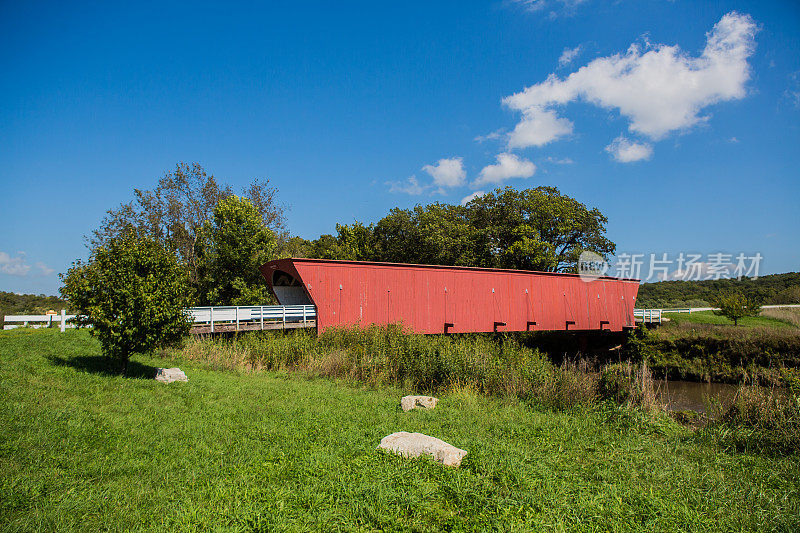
column 625, row 383
column 498, row 366
column 759, row 419
column 784, row 314
column 375, row 355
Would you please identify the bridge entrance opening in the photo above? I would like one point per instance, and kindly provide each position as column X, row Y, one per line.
column 289, row 290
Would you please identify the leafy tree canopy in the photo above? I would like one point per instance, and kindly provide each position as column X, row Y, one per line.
column 132, row 292
column 174, row 212
column 231, row 247
column 535, row 229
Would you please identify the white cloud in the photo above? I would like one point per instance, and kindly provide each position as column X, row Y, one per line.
column 569, row 55
column 792, row 92
column 14, row 266
column 532, row 5
column 468, row 199
column 447, row 172
column 18, row 266
column 555, row 7
column 497, row 134
column 660, row 90
column 557, row 161
column 627, row 151
column 538, row 127
column 508, row 166
column 44, row 269
column 410, row 186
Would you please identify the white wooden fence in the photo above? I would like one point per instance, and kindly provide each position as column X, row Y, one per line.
column 269, row 316
column 648, row 316
column 40, row 321
column 259, row 315
column 243, row 317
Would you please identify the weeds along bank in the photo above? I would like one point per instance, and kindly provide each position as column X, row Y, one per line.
column 424, row 363
column 502, row 366
column 726, row 354
column 758, row 420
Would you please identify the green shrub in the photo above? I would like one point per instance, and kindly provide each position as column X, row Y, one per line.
column 616, row 383
column 133, row 292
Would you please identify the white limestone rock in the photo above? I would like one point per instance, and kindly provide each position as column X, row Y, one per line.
column 408, row 403
column 168, row 375
column 408, row 444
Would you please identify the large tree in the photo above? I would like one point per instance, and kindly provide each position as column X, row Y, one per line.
column 133, row 293
column 177, row 208
column 534, row 229
column 434, row 234
column 230, row 248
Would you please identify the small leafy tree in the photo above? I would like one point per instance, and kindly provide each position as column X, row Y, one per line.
column 132, row 292
column 735, row 306
column 233, row 244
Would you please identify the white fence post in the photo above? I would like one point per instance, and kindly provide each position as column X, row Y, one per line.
column 63, row 320
column 211, row 309
column 237, row 317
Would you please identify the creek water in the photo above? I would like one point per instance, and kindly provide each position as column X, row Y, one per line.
column 693, row 396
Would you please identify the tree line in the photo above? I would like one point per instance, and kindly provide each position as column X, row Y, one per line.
column 532, row 229
column 771, row 289
column 221, row 238
column 29, row 304
column 192, row 240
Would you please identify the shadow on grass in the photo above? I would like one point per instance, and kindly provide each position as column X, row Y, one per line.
column 98, row 364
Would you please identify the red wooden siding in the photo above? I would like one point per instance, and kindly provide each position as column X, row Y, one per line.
column 435, row 299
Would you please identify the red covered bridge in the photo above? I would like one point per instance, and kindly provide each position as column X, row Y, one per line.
column 447, row 299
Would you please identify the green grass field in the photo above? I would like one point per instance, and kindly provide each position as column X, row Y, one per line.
column 708, row 317
column 84, row 449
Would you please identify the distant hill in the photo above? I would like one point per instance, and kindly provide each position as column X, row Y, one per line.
column 29, row 304
column 773, row 289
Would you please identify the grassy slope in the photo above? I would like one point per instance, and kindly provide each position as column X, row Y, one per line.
column 82, row 449
column 708, row 317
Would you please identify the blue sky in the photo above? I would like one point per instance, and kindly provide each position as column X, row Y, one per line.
column 677, row 119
